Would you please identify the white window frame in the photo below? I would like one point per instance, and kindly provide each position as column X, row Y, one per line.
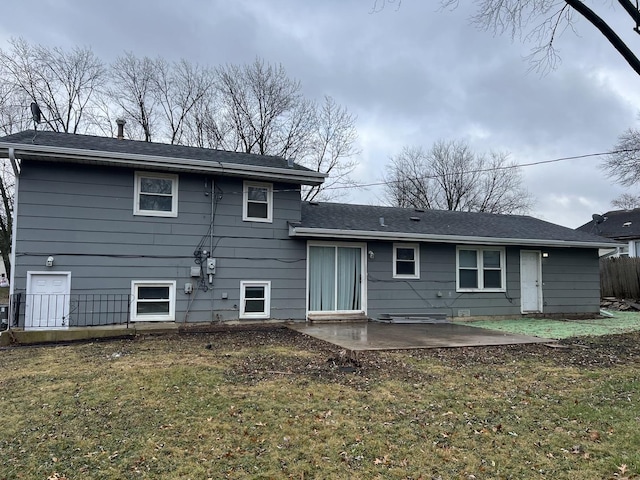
column 155, row 213
column 171, row 316
column 245, row 202
column 416, row 260
column 266, row 313
column 480, row 269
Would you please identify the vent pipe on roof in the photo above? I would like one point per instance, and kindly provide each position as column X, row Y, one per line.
column 120, row 122
column 290, row 162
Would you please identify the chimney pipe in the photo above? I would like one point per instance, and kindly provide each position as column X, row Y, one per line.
column 120, row 122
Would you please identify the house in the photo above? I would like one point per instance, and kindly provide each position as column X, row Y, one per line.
column 620, row 225
column 109, row 231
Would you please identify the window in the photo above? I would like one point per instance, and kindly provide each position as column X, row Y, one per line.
column 257, row 205
column 406, row 261
column 481, row 269
column 156, row 195
column 255, row 299
column 153, row 301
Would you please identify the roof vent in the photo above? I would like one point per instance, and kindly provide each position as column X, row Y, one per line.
column 382, row 222
column 626, row 224
column 414, row 219
column 120, row 122
column 290, row 162
column 419, row 210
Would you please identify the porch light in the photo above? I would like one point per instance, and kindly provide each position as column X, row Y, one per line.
column 49, row 262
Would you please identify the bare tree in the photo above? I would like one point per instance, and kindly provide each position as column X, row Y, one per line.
column 263, row 111
column 623, row 165
column 451, row 177
column 543, row 21
column 263, row 107
column 7, row 183
column 332, row 149
column 626, row 201
column 132, row 89
column 178, row 88
column 61, row 82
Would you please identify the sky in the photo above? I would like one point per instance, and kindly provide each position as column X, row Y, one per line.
column 411, row 73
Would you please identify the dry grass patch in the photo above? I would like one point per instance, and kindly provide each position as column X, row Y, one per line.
column 271, row 404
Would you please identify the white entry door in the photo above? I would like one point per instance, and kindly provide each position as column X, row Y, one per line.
column 47, row 302
column 530, row 282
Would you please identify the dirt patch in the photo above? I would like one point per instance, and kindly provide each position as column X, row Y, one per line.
column 320, row 360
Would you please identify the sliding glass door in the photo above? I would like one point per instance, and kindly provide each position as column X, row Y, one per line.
column 335, row 278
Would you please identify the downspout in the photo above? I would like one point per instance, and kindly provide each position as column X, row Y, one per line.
column 213, row 205
column 14, row 230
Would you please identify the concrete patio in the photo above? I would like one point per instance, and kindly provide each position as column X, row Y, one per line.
column 384, row 336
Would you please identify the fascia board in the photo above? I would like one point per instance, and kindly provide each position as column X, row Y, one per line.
column 425, row 237
column 172, row 163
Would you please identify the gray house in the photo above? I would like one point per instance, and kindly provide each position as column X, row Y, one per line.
column 620, row 225
column 110, row 231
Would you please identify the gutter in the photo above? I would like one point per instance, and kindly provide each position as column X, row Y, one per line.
column 338, row 234
column 167, row 163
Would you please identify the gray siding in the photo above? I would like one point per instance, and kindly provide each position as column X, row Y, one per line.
column 83, row 216
column 571, row 284
column 571, row 281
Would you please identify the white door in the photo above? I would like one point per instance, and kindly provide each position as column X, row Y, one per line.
column 47, row 302
column 530, row 282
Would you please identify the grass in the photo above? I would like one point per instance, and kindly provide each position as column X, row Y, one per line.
column 267, row 404
column 621, row 322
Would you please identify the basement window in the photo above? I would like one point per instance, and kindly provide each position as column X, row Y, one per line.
column 153, row 301
column 255, row 299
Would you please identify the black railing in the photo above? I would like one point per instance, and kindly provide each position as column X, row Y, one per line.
column 58, row 311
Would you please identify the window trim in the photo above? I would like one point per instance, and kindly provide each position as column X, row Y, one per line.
column 480, row 269
column 155, row 213
column 245, row 202
column 169, row 317
column 416, row 260
column 266, row 313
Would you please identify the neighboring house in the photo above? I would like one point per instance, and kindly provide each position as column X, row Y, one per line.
column 620, row 225
column 110, row 231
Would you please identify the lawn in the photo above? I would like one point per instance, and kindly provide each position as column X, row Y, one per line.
column 620, row 322
column 272, row 403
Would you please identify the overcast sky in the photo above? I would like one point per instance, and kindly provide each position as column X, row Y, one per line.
column 412, row 75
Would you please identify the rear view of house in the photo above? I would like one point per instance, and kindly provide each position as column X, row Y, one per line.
column 111, row 231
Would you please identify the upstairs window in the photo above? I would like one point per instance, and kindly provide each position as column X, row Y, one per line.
column 156, row 195
column 481, row 269
column 257, row 205
column 406, row 261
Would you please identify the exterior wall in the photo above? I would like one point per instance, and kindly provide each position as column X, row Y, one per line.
column 82, row 215
column 571, row 284
column 571, row 281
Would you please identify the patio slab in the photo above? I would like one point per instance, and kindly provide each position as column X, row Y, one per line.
column 383, row 336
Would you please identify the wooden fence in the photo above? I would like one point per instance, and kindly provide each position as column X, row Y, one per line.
column 620, row 277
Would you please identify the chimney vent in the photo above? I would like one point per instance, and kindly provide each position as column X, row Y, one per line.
column 120, row 122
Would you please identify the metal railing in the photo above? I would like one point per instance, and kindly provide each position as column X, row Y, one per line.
column 59, row 311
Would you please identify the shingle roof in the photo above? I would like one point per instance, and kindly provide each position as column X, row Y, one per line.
column 618, row 224
column 113, row 145
column 437, row 223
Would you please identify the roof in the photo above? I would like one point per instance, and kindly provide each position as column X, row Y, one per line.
column 336, row 221
column 67, row 147
column 617, row 224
